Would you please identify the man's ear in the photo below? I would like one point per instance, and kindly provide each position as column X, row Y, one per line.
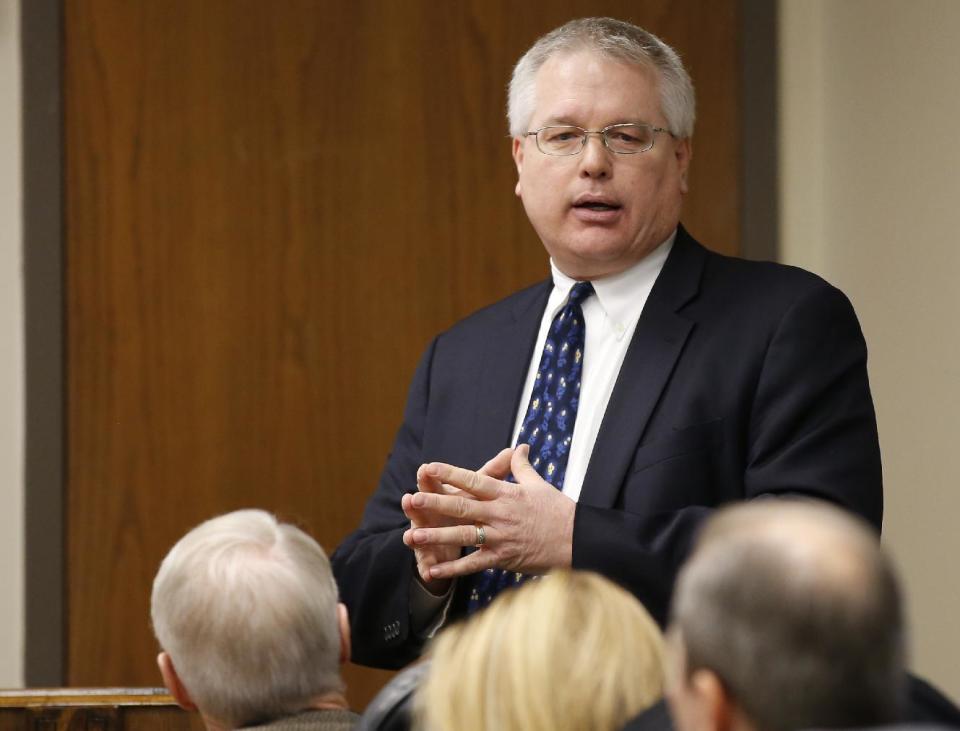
column 718, row 707
column 683, row 150
column 518, row 161
column 172, row 681
column 343, row 620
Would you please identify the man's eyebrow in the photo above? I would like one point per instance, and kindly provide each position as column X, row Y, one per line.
column 563, row 120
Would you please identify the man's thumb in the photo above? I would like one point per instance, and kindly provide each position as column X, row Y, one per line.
column 520, row 462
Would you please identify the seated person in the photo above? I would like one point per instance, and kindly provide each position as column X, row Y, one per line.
column 246, row 613
column 569, row 651
column 787, row 616
column 392, row 708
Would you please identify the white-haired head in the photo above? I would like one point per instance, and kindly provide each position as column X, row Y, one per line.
column 246, row 609
column 618, row 40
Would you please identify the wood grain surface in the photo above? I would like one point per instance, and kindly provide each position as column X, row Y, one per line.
column 94, row 709
column 270, row 209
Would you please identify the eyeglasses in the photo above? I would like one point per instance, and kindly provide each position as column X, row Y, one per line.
column 624, row 139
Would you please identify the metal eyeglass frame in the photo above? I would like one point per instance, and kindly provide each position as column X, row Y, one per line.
column 603, row 136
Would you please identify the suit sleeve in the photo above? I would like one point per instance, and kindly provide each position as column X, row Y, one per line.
column 810, row 431
column 372, row 566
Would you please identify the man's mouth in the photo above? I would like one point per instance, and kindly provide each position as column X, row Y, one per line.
column 597, row 206
column 596, row 203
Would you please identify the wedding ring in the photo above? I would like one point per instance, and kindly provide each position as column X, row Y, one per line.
column 481, row 536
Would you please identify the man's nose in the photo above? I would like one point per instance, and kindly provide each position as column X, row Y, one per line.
column 595, row 159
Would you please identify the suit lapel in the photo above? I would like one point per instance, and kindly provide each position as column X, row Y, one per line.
column 506, row 360
column 657, row 344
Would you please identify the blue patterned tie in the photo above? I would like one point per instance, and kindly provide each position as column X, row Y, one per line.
column 548, row 424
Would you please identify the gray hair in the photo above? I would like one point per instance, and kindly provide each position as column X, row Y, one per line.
column 618, row 40
column 246, row 607
column 793, row 605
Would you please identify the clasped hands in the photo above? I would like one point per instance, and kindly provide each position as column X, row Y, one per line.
column 528, row 525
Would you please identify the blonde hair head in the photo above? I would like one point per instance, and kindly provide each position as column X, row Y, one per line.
column 570, row 651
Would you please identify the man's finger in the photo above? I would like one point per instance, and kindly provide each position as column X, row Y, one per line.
column 520, row 465
column 469, row 564
column 457, row 535
column 428, row 482
column 479, row 485
column 415, row 516
column 424, row 563
column 408, row 537
column 499, row 466
column 421, row 516
column 451, row 490
column 460, row 508
column 407, row 507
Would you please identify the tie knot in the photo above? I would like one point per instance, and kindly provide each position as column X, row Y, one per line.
column 579, row 292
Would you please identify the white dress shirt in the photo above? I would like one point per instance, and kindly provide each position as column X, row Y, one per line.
column 611, row 316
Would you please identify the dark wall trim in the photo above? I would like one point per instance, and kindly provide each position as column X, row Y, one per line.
column 41, row 53
column 759, row 115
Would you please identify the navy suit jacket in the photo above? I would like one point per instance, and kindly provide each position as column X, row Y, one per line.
column 743, row 379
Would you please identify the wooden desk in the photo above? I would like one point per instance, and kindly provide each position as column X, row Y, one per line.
column 94, row 709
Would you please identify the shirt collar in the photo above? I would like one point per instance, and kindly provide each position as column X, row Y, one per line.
column 619, row 295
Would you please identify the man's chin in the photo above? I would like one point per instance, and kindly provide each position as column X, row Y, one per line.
column 591, row 259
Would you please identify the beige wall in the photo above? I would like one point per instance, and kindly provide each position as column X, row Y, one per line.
column 11, row 363
column 870, row 190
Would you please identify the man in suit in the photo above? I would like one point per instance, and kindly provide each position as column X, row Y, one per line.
column 653, row 379
column 787, row 616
